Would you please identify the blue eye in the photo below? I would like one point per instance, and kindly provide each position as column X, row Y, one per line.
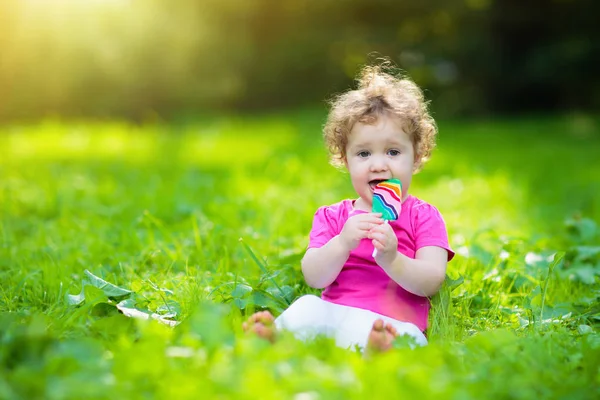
column 363, row 154
column 394, row 152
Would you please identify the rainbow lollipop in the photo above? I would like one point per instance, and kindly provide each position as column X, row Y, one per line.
column 387, row 200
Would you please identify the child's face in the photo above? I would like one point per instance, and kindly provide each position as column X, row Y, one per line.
column 378, row 152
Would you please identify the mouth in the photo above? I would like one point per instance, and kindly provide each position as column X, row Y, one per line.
column 375, row 182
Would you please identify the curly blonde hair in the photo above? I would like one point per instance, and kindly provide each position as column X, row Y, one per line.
column 380, row 93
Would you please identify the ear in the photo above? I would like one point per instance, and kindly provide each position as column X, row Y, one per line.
column 345, row 161
column 418, row 162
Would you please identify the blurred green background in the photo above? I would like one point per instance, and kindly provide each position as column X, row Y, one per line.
column 142, row 59
column 142, row 139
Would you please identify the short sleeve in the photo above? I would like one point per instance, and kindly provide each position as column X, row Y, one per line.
column 324, row 227
column 430, row 229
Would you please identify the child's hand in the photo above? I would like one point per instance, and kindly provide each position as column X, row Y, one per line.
column 357, row 228
column 386, row 243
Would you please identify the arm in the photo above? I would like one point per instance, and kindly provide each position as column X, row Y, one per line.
column 422, row 275
column 322, row 265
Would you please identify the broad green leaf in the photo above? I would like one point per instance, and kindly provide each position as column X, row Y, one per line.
column 454, row 283
column 103, row 290
column 76, row 299
column 170, row 309
column 285, row 293
column 103, row 309
column 94, row 295
column 585, row 228
column 585, row 274
column 261, row 299
column 240, row 303
column 271, row 275
column 129, row 303
column 128, row 308
column 108, row 288
column 557, row 311
column 241, row 291
column 587, row 253
column 133, row 312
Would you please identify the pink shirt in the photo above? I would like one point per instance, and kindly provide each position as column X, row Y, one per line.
column 364, row 284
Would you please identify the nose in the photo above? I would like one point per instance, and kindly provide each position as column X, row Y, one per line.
column 378, row 164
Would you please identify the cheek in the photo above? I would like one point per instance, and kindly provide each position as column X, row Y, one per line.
column 355, row 169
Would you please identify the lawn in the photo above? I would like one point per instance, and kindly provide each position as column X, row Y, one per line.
column 195, row 224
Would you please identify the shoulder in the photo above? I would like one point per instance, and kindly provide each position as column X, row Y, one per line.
column 329, row 220
column 422, row 215
column 336, row 211
column 419, row 207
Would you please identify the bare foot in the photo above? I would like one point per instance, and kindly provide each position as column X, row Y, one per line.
column 381, row 337
column 262, row 324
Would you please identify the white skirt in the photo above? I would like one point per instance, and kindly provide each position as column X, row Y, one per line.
column 310, row 316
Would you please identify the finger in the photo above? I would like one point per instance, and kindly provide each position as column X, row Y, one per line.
column 362, row 235
column 383, row 230
column 368, row 225
column 358, row 234
column 378, row 245
column 380, row 229
column 377, row 236
column 373, row 221
column 372, row 216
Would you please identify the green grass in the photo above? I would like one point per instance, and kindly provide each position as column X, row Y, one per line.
column 160, row 210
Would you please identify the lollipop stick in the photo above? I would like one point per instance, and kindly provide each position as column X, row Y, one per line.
column 385, row 221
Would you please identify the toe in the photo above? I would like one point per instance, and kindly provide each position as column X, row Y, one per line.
column 378, row 325
column 266, row 318
column 392, row 330
column 253, row 318
column 264, row 332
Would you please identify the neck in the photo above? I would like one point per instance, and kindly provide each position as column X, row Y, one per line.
column 360, row 204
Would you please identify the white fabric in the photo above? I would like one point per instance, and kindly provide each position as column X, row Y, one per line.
column 349, row 326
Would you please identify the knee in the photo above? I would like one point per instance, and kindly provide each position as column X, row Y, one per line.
column 303, row 311
column 308, row 301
